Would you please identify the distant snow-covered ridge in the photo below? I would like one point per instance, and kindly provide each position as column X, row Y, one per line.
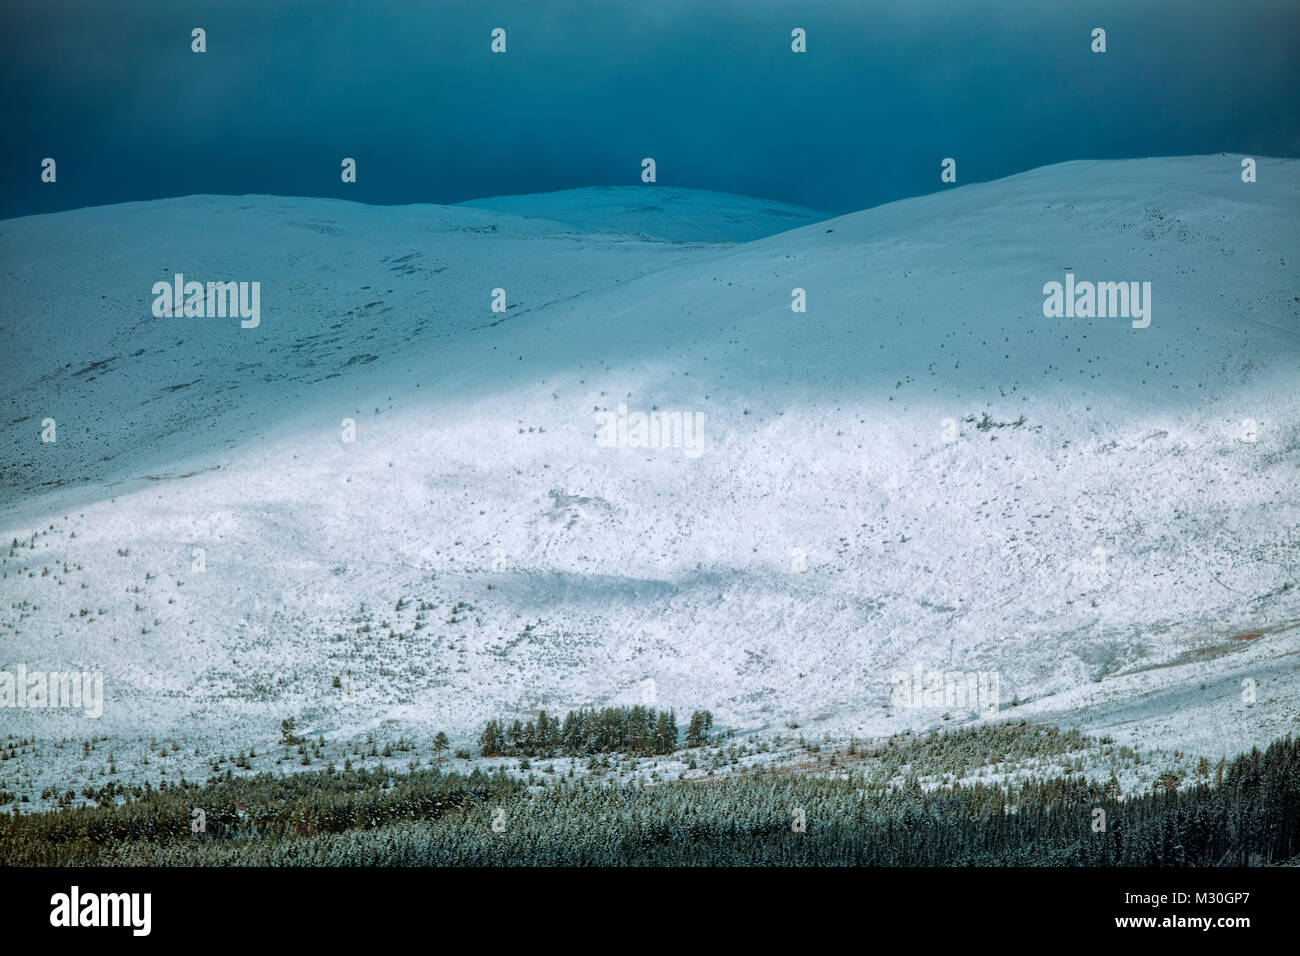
column 657, row 212
column 361, row 295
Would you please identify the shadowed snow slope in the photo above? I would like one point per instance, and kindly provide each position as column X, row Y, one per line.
column 921, row 469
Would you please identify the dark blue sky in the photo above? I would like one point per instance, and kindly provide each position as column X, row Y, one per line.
column 707, row 87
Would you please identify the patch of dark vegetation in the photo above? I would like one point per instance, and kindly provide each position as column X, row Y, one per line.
column 986, row 423
column 94, row 366
column 1250, row 815
column 630, row 730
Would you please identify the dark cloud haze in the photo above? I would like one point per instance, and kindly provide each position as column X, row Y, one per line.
column 709, row 89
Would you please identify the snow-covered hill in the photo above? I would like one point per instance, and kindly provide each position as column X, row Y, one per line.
column 351, row 292
column 920, row 470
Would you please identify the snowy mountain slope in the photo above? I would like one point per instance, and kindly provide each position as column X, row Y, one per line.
column 546, row 570
column 351, row 292
column 661, row 212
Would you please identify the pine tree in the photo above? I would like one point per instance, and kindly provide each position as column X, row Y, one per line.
column 695, row 735
column 570, row 737
column 665, row 738
column 489, row 742
column 541, row 734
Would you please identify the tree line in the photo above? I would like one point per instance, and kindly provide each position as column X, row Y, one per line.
column 633, row 730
